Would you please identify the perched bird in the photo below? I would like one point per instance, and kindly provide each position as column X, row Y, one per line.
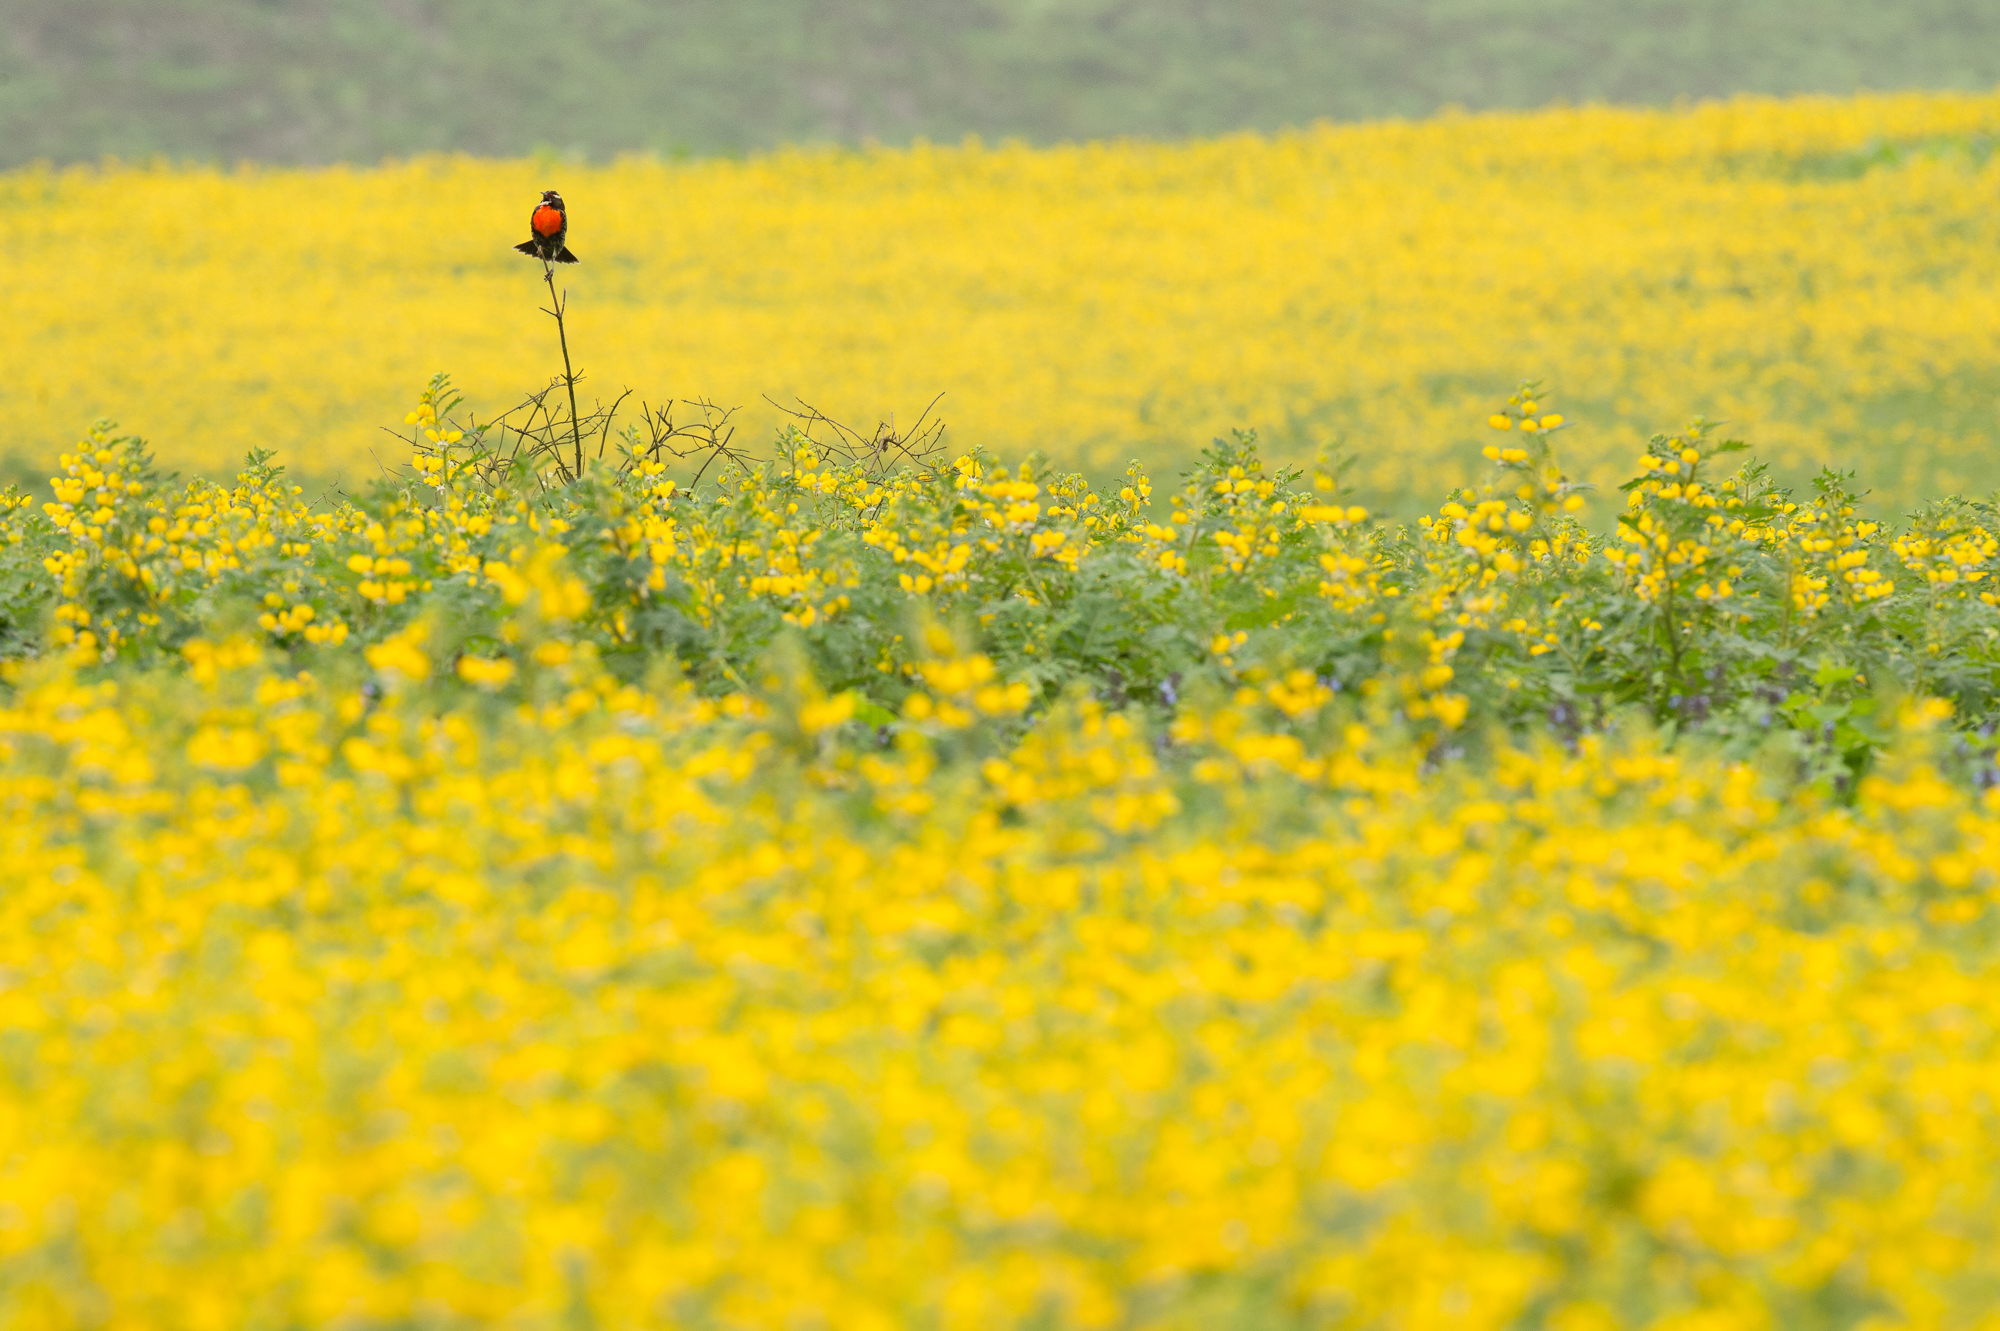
column 550, row 223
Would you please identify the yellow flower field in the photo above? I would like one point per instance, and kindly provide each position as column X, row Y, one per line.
column 849, row 888
column 1824, row 273
column 801, row 902
column 640, row 1010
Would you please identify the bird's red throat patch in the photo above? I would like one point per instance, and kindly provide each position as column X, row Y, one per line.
column 547, row 221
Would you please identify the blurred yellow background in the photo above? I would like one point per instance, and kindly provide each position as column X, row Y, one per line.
column 1822, row 272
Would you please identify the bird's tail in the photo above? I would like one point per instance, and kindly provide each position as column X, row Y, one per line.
column 529, row 247
column 564, row 256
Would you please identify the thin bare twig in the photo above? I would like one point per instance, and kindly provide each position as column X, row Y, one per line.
column 560, row 303
column 532, row 440
column 919, row 446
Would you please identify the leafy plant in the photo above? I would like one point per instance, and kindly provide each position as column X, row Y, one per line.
column 1722, row 603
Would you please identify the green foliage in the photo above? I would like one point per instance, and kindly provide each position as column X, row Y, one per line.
column 356, row 79
column 1723, row 604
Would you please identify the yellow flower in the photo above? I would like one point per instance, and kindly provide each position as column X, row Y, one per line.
column 402, row 657
column 486, row 672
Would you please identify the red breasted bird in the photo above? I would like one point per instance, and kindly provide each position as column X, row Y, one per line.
column 550, row 223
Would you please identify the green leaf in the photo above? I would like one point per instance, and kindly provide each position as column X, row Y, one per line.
column 874, row 714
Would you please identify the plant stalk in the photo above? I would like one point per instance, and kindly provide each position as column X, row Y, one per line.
column 569, row 375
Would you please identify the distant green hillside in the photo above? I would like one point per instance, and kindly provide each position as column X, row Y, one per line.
column 325, row 80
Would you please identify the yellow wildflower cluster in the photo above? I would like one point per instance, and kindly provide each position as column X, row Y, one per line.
column 1822, row 268
column 113, row 518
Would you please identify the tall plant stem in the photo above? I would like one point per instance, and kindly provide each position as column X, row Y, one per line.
column 569, row 375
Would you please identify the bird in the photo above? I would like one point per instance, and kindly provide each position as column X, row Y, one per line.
column 550, row 223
